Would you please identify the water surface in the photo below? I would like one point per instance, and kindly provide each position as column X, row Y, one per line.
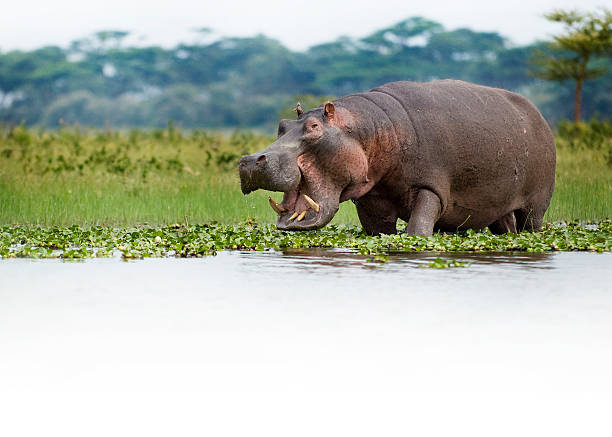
column 309, row 342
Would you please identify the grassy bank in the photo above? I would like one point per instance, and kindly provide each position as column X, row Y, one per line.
column 167, row 176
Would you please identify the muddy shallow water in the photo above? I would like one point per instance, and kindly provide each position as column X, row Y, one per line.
column 307, row 343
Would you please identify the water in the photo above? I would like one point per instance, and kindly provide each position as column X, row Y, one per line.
column 307, row 343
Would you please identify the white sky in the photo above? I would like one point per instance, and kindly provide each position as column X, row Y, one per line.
column 26, row 24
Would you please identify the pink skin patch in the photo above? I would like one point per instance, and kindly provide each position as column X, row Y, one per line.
column 340, row 177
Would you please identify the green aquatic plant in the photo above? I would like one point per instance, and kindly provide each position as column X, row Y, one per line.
column 183, row 240
column 440, row 263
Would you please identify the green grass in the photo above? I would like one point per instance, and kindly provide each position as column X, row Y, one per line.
column 89, row 177
column 64, row 201
column 583, row 188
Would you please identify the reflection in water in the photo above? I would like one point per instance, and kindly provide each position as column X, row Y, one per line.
column 343, row 258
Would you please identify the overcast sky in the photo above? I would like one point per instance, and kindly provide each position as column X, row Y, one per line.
column 26, row 24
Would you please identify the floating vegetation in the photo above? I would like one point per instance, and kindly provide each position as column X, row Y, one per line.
column 182, row 241
column 440, row 263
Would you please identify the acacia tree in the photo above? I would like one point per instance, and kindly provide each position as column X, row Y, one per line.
column 587, row 36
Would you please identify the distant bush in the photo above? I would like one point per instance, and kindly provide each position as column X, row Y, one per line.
column 136, row 153
column 591, row 135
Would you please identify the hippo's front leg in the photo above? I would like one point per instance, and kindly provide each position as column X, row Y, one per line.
column 424, row 214
column 377, row 214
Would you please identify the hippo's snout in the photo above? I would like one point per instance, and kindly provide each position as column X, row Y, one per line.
column 268, row 170
column 250, row 169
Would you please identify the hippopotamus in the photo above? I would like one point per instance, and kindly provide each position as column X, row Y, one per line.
column 443, row 156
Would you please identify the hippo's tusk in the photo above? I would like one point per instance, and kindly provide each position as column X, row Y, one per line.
column 301, row 216
column 314, row 205
column 280, row 209
column 294, row 215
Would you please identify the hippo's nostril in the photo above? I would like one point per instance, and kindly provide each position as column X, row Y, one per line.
column 262, row 158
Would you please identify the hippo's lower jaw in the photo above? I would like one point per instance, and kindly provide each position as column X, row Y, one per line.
column 305, row 221
column 300, row 212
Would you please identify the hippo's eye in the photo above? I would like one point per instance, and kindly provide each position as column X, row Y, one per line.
column 312, row 128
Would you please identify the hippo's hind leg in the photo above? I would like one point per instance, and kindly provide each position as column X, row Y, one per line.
column 424, row 214
column 529, row 218
column 377, row 214
column 504, row 224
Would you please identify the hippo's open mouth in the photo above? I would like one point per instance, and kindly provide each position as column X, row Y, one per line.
column 312, row 161
column 300, row 209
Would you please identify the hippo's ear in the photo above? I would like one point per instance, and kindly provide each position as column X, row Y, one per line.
column 330, row 109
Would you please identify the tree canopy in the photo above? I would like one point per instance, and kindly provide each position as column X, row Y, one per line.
column 227, row 82
column 587, row 36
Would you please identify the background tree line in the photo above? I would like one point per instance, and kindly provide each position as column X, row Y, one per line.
column 247, row 82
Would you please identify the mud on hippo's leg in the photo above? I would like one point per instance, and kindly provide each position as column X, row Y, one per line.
column 425, row 213
column 376, row 214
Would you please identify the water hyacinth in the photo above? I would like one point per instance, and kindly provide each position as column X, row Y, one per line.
column 440, row 263
column 200, row 240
